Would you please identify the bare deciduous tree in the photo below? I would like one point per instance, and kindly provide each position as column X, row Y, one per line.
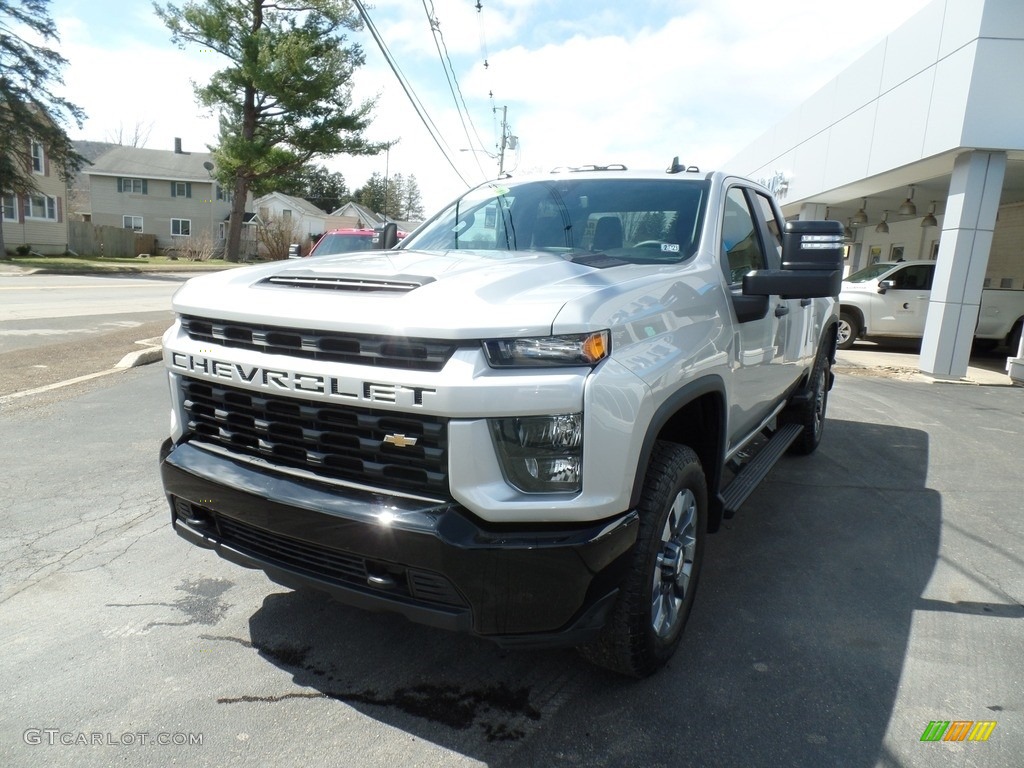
column 275, row 235
column 131, row 137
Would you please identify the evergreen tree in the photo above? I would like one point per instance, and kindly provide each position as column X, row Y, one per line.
column 393, row 198
column 412, row 203
column 371, row 194
column 29, row 109
column 285, row 97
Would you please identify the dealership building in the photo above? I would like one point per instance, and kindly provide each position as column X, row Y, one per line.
column 918, row 149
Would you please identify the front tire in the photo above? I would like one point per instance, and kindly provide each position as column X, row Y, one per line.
column 656, row 597
column 810, row 414
column 848, row 331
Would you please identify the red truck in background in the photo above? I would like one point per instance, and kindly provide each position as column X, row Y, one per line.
column 350, row 240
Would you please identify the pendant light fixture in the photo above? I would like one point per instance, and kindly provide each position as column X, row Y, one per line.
column 908, row 208
column 861, row 217
column 883, row 226
column 930, row 220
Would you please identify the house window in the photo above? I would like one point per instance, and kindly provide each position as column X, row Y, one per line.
column 10, row 207
column 132, row 186
column 133, row 223
column 38, row 163
column 181, row 227
column 286, row 214
column 224, row 194
column 41, row 207
column 181, row 189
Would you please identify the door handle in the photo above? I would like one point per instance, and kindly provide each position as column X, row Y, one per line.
column 805, row 302
column 781, row 310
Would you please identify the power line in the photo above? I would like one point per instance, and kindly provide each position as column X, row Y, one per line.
column 453, row 82
column 420, row 110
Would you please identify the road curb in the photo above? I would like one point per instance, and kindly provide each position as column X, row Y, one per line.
column 141, row 357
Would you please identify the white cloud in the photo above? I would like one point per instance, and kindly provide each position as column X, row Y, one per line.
column 592, row 84
column 136, row 82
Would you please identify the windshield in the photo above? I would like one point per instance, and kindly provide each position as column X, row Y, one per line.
column 342, row 242
column 869, row 273
column 631, row 220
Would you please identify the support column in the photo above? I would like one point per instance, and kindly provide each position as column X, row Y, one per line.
column 812, row 211
column 966, row 240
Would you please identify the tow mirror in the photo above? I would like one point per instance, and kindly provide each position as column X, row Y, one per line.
column 389, row 237
column 812, row 263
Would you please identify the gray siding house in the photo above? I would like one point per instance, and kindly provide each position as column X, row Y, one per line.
column 37, row 220
column 169, row 194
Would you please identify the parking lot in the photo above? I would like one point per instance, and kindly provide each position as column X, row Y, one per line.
column 860, row 594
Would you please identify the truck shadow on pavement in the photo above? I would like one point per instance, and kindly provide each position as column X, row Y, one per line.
column 792, row 656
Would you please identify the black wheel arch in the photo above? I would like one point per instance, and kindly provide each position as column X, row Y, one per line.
column 694, row 415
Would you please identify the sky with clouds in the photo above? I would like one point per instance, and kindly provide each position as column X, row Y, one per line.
column 584, row 82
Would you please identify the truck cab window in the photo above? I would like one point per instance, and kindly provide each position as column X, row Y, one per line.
column 741, row 246
column 914, row 278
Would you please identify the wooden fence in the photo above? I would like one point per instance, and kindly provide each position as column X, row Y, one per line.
column 88, row 239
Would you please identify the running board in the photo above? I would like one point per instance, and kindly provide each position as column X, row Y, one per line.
column 758, row 468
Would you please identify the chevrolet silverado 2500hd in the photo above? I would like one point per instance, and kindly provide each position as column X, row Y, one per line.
column 890, row 299
column 523, row 421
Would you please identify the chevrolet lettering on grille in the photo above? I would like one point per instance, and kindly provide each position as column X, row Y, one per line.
column 331, row 387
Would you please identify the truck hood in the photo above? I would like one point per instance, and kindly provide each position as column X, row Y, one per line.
column 450, row 295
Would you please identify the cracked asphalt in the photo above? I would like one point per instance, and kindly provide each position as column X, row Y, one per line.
column 858, row 595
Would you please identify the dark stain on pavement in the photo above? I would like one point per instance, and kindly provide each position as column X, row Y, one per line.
column 441, row 703
column 201, row 604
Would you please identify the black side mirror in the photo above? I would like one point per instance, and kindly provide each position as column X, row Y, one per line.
column 389, row 237
column 812, row 263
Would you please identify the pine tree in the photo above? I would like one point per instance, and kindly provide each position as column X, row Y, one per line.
column 285, row 96
column 29, row 109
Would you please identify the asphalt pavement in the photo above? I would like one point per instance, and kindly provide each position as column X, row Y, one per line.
column 860, row 594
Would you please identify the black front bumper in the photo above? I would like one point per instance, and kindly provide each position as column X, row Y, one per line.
column 435, row 563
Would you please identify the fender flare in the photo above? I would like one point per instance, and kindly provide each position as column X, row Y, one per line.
column 689, row 392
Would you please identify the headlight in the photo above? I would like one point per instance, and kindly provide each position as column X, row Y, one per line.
column 583, row 349
column 541, row 454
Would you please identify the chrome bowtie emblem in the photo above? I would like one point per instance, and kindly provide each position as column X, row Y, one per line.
column 399, row 441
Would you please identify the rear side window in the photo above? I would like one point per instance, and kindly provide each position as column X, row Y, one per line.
column 741, row 246
column 774, row 228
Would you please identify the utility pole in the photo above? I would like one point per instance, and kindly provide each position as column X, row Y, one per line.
column 507, row 140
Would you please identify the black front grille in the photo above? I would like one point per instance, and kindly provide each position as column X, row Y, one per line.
column 331, row 565
column 364, row 349
column 330, row 440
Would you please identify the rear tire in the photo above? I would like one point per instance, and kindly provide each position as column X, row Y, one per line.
column 849, row 330
column 657, row 594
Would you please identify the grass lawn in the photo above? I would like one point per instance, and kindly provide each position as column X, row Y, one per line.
column 111, row 264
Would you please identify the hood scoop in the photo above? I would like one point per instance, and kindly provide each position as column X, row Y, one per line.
column 354, row 283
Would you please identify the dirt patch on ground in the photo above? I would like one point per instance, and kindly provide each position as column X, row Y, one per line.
column 881, row 372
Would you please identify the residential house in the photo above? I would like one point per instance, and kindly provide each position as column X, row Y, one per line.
column 356, row 216
column 37, row 220
column 168, row 194
column 306, row 220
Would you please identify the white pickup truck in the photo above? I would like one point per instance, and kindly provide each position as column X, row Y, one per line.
column 890, row 299
column 522, row 422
